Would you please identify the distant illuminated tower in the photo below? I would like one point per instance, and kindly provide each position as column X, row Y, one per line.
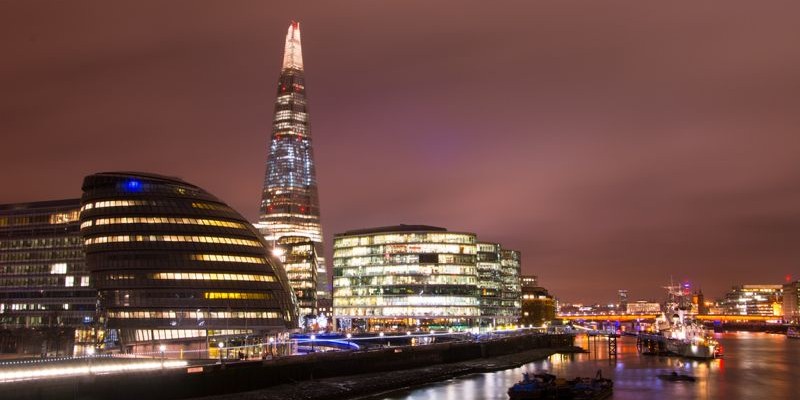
column 289, row 200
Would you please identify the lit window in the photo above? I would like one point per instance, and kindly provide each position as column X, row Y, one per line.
column 228, row 258
column 58, row 268
column 169, row 220
column 173, row 238
column 235, row 296
column 213, row 277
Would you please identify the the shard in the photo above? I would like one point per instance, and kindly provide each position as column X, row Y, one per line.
column 289, row 200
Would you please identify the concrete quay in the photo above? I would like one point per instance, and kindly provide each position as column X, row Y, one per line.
column 299, row 376
column 366, row 386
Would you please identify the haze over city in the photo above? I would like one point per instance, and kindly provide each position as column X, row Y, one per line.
column 615, row 145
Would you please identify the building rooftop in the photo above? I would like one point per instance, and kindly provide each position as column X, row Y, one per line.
column 395, row 228
column 34, row 205
column 145, row 175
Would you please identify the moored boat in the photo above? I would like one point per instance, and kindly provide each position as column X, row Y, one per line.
column 548, row 386
column 675, row 377
column 793, row 333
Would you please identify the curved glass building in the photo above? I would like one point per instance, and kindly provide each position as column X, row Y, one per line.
column 171, row 262
column 405, row 277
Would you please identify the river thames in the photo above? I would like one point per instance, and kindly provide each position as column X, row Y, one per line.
column 755, row 366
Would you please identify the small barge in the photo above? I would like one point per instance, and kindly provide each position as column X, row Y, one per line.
column 675, row 377
column 548, row 386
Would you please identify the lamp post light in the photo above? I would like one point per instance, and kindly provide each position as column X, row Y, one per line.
column 90, row 353
column 221, row 346
column 313, row 338
column 271, row 342
column 162, row 348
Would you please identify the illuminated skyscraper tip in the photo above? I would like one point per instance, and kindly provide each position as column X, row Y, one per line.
column 289, row 201
column 293, row 52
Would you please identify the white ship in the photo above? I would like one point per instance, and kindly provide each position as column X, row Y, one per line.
column 683, row 335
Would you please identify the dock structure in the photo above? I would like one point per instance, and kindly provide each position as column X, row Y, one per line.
column 611, row 342
column 651, row 344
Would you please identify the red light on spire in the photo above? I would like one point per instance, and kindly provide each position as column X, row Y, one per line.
column 788, row 277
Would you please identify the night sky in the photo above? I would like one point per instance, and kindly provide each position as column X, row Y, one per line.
column 616, row 144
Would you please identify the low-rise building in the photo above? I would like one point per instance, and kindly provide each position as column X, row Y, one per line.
column 538, row 306
column 643, row 307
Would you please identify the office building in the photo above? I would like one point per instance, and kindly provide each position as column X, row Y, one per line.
column 765, row 300
column 405, row 277
column 623, row 299
column 174, row 265
column 47, row 304
column 791, row 302
column 490, row 284
column 510, row 270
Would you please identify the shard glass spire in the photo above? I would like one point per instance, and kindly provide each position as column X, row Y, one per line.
column 289, row 200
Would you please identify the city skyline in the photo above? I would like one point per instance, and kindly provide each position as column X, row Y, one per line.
column 640, row 147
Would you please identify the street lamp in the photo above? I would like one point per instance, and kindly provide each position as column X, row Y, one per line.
column 313, row 338
column 221, row 346
column 90, row 352
column 162, row 348
column 271, row 342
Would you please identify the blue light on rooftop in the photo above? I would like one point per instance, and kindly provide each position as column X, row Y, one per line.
column 133, row 185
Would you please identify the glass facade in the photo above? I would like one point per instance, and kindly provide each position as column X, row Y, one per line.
column 299, row 258
column 405, row 277
column 171, row 261
column 490, row 284
column 289, row 201
column 45, row 289
column 510, row 262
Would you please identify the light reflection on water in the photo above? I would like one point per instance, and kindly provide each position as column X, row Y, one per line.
column 756, row 365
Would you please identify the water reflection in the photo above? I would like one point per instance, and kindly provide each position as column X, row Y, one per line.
column 756, row 365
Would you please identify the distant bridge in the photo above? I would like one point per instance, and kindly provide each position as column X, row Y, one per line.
column 652, row 317
column 607, row 317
